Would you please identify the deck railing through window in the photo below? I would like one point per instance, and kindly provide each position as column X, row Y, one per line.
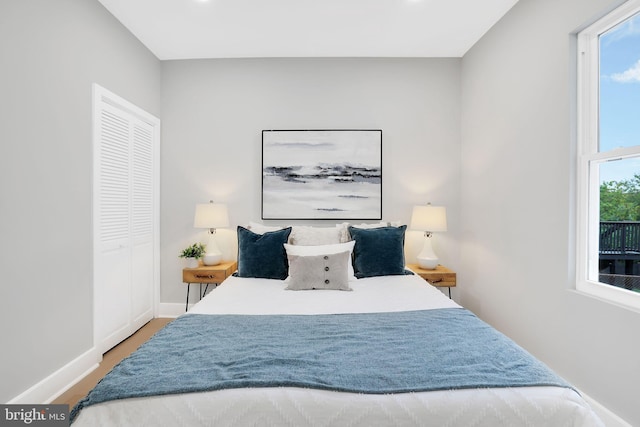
column 620, row 254
column 620, row 237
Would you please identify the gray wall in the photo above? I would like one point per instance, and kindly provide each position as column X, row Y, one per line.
column 213, row 112
column 52, row 51
column 517, row 213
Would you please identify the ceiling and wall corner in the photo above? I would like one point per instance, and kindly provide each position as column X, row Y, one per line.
column 191, row 29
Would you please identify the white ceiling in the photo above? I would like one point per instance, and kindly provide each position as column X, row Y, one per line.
column 185, row 29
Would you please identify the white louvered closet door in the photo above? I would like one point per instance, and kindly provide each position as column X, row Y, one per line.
column 125, row 220
column 142, row 223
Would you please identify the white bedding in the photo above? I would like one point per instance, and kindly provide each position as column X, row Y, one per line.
column 372, row 295
column 519, row 406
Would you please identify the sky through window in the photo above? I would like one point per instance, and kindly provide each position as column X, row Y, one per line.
column 620, row 96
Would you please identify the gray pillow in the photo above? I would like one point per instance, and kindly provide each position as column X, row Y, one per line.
column 327, row 271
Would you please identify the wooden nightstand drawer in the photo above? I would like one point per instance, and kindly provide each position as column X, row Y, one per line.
column 209, row 274
column 440, row 279
column 441, row 276
column 199, row 275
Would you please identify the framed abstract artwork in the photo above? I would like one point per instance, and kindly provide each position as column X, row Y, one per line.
column 322, row 174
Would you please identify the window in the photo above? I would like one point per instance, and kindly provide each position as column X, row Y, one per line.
column 608, row 234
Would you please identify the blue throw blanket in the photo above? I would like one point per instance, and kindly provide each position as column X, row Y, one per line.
column 362, row 353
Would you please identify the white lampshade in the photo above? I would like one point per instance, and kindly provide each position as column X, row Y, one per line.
column 429, row 218
column 211, row 216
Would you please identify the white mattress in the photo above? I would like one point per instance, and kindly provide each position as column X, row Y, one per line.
column 372, row 295
column 284, row 406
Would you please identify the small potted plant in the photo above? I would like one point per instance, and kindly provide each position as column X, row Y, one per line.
column 192, row 254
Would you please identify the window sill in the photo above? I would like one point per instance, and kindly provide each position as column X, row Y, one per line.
column 610, row 294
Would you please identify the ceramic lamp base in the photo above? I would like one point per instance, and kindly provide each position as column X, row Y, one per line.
column 428, row 264
column 427, row 259
column 212, row 258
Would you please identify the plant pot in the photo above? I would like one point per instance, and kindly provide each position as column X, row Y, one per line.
column 191, row 262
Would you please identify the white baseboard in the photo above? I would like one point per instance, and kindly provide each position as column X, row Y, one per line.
column 609, row 418
column 60, row 381
column 171, row 309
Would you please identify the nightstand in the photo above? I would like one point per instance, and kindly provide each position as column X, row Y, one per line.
column 441, row 277
column 207, row 274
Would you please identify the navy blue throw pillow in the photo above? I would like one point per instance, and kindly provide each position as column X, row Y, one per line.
column 263, row 255
column 378, row 251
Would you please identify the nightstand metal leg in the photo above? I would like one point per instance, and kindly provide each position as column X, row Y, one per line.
column 186, row 306
column 449, row 292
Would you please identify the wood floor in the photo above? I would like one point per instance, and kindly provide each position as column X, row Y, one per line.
column 110, row 359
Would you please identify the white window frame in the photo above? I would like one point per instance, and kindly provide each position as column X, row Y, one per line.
column 588, row 208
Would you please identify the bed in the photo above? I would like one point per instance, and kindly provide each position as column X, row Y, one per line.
column 320, row 347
